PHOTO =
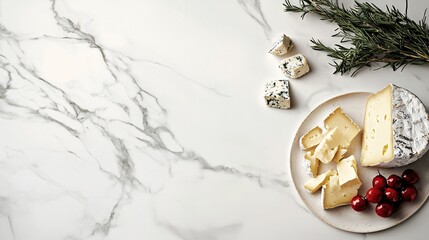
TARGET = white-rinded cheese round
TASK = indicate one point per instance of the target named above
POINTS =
(410, 123)
(396, 128)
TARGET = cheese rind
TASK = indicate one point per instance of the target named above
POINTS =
(295, 66)
(335, 195)
(311, 164)
(338, 119)
(396, 128)
(314, 184)
(347, 172)
(312, 138)
(281, 46)
(277, 94)
(410, 123)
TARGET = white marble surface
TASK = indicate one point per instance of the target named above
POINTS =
(144, 119)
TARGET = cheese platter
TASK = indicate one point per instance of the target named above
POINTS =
(329, 166)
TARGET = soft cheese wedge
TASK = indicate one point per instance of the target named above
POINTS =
(311, 138)
(328, 147)
(335, 195)
(396, 128)
(311, 164)
(347, 172)
(338, 119)
(314, 184)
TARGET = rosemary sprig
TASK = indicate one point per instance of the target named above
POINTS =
(373, 35)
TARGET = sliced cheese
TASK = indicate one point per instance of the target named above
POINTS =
(339, 155)
(347, 172)
(314, 184)
(329, 146)
(334, 195)
(311, 138)
(324, 153)
(311, 163)
(338, 139)
(338, 119)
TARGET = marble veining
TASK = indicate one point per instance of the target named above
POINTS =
(253, 8)
(117, 124)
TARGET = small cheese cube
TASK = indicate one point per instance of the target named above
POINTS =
(281, 46)
(295, 66)
(347, 172)
(277, 94)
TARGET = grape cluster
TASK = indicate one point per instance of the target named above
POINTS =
(388, 193)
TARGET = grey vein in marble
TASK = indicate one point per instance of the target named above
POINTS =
(60, 101)
(69, 26)
(254, 10)
(11, 226)
(188, 234)
(181, 75)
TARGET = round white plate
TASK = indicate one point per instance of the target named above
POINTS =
(344, 217)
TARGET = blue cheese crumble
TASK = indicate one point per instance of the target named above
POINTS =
(277, 94)
(282, 45)
(295, 66)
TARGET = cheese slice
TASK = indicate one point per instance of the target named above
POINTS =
(324, 153)
(347, 172)
(334, 195)
(311, 163)
(396, 128)
(338, 139)
(329, 145)
(311, 138)
(339, 154)
(347, 127)
(314, 184)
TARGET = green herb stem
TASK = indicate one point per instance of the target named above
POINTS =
(374, 35)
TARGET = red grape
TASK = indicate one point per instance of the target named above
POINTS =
(394, 181)
(359, 203)
(409, 194)
(384, 209)
(391, 194)
(410, 176)
(379, 182)
(374, 195)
